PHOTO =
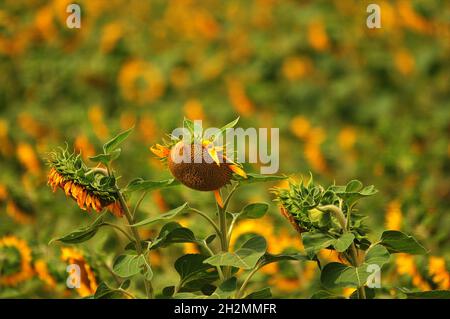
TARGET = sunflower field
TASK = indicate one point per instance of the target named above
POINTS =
(92, 204)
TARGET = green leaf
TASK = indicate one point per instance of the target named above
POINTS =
(353, 191)
(258, 178)
(173, 233)
(105, 292)
(128, 265)
(323, 294)
(168, 215)
(224, 128)
(314, 242)
(398, 242)
(145, 185)
(370, 293)
(82, 234)
(377, 255)
(433, 294)
(189, 124)
(114, 143)
(226, 289)
(192, 268)
(102, 158)
(342, 243)
(168, 291)
(254, 211)
(260, 294)
(246, 257)
(353, 186)
(269, 258)
(337, 275)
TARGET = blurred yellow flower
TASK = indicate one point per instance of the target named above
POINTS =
(296, 67)
(300, 126)
(24, 271)
(438, 272)
(88, 282)
(32, 127)
(190, 248)
(406, 266)
(96, 118)
(404, 62)
(111, 34)
(19, 214)
(393, 218)
(141, 82)
(28, 158)
(317, 36)
(347, 138)
(193, 110)
(41, 268)
(241, 103)
(84, 146)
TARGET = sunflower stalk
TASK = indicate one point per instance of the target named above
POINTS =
(137, 238)
(340, 216)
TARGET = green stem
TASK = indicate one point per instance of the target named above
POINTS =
(245, 283)
(138, 204)
(138, 241)
(204, 215)
(337, 212)
(120, 230)
(137, 238)
(211, 253)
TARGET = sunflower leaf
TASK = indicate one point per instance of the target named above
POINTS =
(114, 143)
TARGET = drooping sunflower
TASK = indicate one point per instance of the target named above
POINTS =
(89, 190)
(88, 281)
(15, 262)
(198, 163)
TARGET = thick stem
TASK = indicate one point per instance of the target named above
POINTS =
(138, 241)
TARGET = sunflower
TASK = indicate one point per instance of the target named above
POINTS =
(15, 261)
(42, 271)
(88, 282)
(206, 169)
(91, 192)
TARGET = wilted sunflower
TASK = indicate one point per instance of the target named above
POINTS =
(198, 163)
(88, 282)
(89, 190)
(15, 261)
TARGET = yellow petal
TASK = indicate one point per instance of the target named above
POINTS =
(237, 170)
(218, 198)
(212, 152)
(160, 151)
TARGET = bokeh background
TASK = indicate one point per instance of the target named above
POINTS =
(350, 102)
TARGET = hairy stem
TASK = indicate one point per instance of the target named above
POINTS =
(337, 212)
(137, 238)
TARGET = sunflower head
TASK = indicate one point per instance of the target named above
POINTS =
(198, 162)
(302, 204)
(91, 191)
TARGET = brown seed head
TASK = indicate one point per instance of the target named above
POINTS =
(198, 171)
